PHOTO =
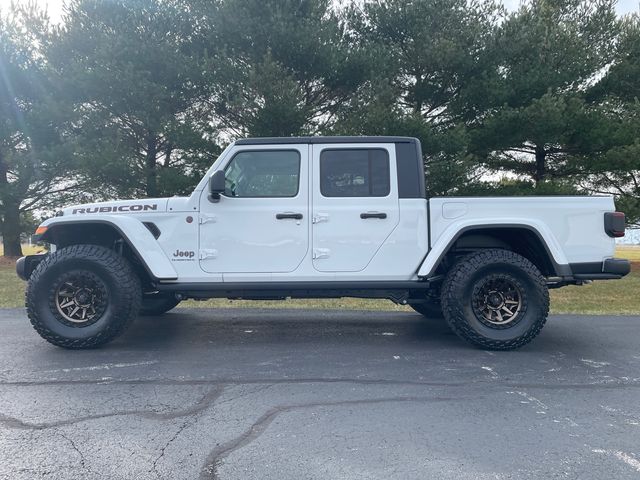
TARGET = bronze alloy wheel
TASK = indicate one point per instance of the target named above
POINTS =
(497, 301)
(81, 299)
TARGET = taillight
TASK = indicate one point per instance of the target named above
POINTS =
(614, 223)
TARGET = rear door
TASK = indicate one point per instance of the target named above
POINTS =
(354, 202)
(261, 222)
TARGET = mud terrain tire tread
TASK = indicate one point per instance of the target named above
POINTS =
(126, 294)
(455, 295)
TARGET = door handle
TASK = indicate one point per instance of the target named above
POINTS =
(379, 215)
(283, 216)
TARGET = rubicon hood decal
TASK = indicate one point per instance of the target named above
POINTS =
(138, 207)
(123, 207)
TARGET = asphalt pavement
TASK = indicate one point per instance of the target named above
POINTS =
(290, 394)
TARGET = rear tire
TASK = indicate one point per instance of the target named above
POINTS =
(495, 299)
(82, 296)
(153, 305)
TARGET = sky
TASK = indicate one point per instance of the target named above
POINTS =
(55, 6)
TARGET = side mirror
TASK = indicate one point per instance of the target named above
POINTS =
(216, 185)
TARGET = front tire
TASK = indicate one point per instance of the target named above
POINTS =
(82, 296)
(495, 299)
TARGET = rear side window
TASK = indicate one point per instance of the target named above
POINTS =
(268, 173)
(354, 173)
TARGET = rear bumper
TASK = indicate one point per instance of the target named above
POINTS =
(610, 269)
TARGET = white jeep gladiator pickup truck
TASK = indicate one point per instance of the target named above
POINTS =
(319, 217)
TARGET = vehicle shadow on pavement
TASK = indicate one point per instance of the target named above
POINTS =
(252, 326)
(294, 328)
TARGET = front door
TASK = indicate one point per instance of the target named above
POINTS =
(355, 204)
(261, 222)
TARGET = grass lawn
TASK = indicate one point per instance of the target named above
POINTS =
(604, 297)
(27, 249)
(630, 252)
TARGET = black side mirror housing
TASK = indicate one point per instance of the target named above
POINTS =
(216, 185)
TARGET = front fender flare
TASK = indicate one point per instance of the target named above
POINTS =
(137, 236)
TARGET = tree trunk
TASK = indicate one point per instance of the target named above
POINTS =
(167, 154)
(541, 164)
(417, 102)
(11, 230)
(151, 166)
(10, 216)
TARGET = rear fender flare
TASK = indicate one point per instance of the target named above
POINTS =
(454, 231)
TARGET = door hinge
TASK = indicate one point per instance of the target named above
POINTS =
(208, 253)
(321, 253)
(207, 219)
(320, 217)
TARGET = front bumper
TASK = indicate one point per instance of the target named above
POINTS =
(610, 269)
(26, 265)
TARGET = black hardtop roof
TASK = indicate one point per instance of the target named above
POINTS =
(311, 140)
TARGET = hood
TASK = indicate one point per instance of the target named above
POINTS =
(146, 205)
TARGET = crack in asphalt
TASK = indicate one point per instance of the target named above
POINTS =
(209, 471)
(75, 447)
(615, 383)
(195, 382)
(83, 460)
(154, 466)
(190, 422)
(205, 402)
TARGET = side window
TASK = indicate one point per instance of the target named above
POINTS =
(354, 173)
(266, 173)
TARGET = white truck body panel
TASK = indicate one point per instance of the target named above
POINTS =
(400, 247)
(243, 235)
(570, 226)
(343, 241)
